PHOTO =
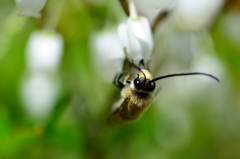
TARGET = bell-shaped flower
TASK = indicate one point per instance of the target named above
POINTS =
(135, 35)
(39, 93)
(30, 7)
(44, 51)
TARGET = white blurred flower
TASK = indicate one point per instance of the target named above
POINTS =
(151, 8)
(107, 53)
(40, 85)
(39, 93)
(229, 26)
(196, 14)
(182, 89)
(136, 35)
(30, 7)
(44, 51)
(187, 14)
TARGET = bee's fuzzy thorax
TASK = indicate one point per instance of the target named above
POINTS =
(139, 99)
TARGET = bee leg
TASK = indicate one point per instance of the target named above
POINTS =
(128, 77)
(147, 65)
(125, 7)
(142, 64)
(121, 78)
(161, 16)
(117, 81)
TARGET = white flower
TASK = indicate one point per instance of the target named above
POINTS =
(44, 51)
(39, 93)
(30, 7)
(151, 8)
(40, 84)
(136, 35)
(196, 14)
(107, 53)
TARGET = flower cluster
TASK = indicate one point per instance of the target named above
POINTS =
(40, 84)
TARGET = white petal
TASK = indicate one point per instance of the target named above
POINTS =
(123, 35)
(146, 37)
(30, 7)
(129, 40)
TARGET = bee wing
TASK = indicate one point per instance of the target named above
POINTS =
(128, 69)
(117, 117)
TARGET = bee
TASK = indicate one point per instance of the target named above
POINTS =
(137, 93)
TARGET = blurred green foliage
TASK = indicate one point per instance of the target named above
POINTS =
(76, 128)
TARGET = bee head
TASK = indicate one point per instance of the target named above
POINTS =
(143, 81)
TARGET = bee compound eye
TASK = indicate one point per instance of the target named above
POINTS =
(137, 82)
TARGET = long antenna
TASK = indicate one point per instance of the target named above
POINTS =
(185, 74)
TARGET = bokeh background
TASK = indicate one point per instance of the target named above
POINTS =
(191, 118)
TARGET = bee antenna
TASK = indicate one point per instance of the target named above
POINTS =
(185, 74)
